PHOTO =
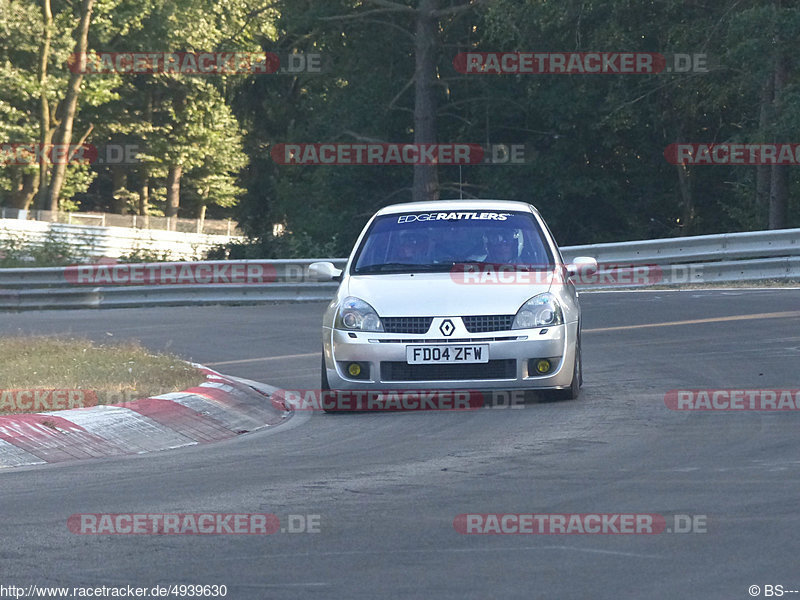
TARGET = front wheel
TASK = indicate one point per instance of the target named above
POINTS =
(324, 386)
(574, 390)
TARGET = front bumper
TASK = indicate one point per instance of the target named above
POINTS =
(385, 355)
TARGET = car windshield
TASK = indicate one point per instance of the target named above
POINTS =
(436, 241)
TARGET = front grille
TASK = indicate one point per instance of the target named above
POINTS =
(485, 323)
(494, 369)
(406, 324)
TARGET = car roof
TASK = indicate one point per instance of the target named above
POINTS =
(456, 205)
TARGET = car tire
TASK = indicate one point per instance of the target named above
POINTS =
(574, 390)
(324, 386)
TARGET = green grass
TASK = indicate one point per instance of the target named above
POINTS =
(109, 373)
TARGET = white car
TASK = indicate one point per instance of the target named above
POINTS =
(454, 294)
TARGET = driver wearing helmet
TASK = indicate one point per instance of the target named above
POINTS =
(459, 243)
(412, 247)
(502, 246)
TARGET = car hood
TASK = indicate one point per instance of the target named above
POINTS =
(438, 294)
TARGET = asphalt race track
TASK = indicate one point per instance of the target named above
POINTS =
(387, 487)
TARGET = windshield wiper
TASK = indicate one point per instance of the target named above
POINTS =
(519, 266)
(396, 267)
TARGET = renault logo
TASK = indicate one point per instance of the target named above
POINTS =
(447, 328)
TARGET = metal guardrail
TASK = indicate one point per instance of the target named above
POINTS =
(695, 249)
(702, 259)
(163, 295)
(254, 273)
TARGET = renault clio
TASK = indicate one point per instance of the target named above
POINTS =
(455, 294)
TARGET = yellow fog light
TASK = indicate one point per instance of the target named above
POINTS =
(354, 369)
(542, 366)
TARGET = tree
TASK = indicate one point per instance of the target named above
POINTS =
(426, 27)
(63, 135)
(177, 120)
(35, 45)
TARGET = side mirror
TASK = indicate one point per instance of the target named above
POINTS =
(324, 271)
(583, 264)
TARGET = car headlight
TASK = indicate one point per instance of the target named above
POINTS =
(356, 315)
(540, 311)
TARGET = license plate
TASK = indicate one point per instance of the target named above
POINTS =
(432, 354)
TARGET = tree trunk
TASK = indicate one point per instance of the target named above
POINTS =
(778, 196)
(687, 204)
(201, 220)
(64, 134)
(685, 188)
(23, 188)
(763, 175)
(173, 194)
(45, 132)
(426, 179)
(144, 172)
(119, 183)
(779, 184)
(144, 192)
